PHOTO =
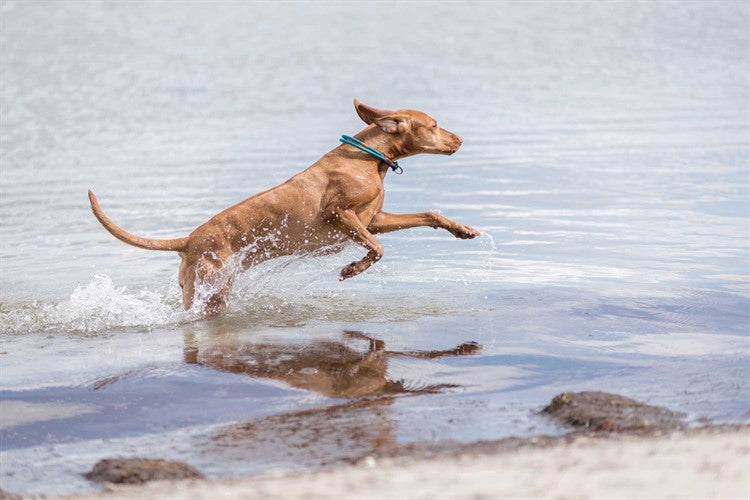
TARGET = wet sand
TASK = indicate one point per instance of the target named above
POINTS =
(710, 462)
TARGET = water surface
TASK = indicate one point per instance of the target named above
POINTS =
(605, 161)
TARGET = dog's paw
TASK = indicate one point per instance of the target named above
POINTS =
(349, 271)
(464, 232)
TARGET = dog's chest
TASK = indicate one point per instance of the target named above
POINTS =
(361, 192)
(367, 210)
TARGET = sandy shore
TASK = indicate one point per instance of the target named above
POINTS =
(700, 463)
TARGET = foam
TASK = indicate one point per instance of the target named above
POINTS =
(95, 306)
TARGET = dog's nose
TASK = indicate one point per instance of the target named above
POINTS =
(460, 139)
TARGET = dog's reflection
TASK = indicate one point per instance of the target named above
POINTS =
(355, 366)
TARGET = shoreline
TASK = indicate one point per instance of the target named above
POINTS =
(705, 462)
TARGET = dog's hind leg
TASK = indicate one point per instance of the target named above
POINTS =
(209, 279)
(186, 279)
(216, 282)
(217, 303)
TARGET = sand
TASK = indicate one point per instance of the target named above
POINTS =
(700, 463)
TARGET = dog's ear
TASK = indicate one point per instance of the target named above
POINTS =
(391, 124)
(368, 113)
(388, 121)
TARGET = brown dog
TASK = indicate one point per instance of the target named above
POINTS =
(339, 198)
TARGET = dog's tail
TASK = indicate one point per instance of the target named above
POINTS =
(176, 245)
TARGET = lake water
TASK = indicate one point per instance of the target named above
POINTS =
(606, 161)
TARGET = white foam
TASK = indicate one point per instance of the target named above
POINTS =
(98, 305)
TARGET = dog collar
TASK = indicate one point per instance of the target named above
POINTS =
(353, 141)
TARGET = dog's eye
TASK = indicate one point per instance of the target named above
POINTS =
(434, 125)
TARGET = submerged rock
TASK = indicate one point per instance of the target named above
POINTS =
(139, 470)
(601, 411)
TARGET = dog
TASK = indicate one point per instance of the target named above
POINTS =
(338, 199)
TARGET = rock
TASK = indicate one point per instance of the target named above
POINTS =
(139, 470)
(601, 411)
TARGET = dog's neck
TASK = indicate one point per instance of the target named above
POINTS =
(388, 144)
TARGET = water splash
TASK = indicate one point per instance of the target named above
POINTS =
(289, 277)
(491, 250)
(301, 288)
(96, 306)
(291, 290)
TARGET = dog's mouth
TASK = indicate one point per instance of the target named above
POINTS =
(445, 150)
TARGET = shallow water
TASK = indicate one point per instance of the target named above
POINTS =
(605, 161)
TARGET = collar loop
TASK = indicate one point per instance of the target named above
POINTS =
(353, 141)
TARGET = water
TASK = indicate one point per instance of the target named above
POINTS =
(605, 160)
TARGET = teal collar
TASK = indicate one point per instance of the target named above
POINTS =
(353, 141)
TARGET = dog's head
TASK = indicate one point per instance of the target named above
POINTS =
(415, 131)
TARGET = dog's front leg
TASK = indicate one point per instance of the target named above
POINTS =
(347, 222)
(383, 222)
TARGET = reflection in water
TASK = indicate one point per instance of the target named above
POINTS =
(336, 369)
(354, 367)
